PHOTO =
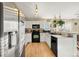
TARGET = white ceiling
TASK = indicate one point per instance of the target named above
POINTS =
(67, 10)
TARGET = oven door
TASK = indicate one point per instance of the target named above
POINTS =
(35, 36)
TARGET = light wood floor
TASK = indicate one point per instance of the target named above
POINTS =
(38, 50)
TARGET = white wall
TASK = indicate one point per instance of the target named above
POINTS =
(71, 27)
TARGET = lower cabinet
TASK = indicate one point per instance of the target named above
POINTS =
(66, 47)
(45, 37)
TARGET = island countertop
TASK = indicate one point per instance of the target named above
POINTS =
(58, 36)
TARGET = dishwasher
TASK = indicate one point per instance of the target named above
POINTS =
(54, 45)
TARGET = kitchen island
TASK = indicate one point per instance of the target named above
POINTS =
(66, 46)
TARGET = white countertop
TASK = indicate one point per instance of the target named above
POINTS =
(58, 36)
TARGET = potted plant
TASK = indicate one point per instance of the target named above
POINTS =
(61, 22)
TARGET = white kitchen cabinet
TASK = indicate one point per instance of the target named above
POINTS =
(66, 47)
(45, 37)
